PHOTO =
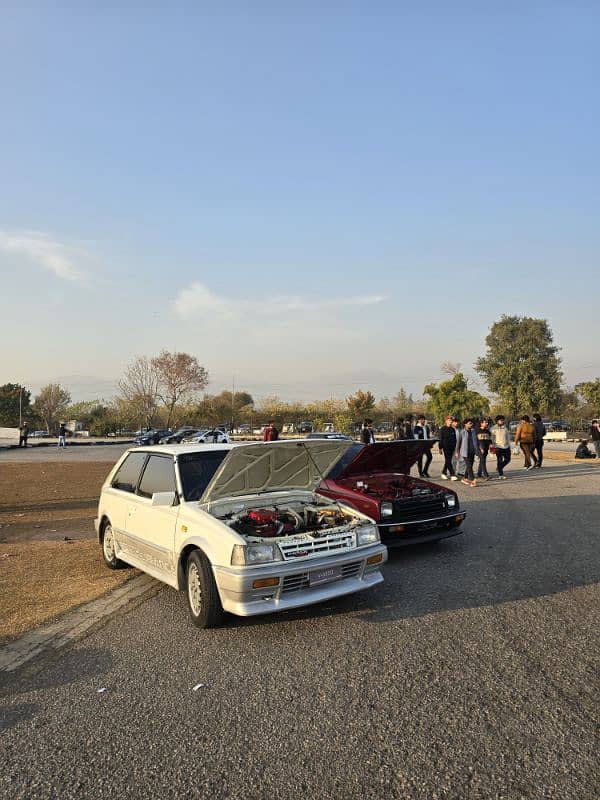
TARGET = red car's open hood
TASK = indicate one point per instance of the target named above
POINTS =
(397, 456)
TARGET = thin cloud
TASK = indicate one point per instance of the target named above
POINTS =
(197, 300)
(49, 253)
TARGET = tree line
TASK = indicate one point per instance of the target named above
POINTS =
(521, 368)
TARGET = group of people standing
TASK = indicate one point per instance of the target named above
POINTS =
(460, 447)
(475, 439)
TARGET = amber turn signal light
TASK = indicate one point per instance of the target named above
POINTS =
(261, 583)
(375, 559)
(397, 529)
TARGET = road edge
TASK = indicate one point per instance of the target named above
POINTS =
(55, 635)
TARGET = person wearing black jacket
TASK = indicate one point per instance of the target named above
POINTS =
(408, 428)
(447, 446)
(538, 440)
(423, 431)
(484, 439)
(366, 434)
(23, 434)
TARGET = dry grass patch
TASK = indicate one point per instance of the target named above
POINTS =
(555, 455)
(40, 580)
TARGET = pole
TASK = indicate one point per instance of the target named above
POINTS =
(20, 406)
(232, 402)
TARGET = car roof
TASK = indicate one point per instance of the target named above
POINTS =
(178, 449)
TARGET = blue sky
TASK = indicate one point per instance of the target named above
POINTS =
(312, 198)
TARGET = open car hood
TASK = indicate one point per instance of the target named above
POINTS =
(397, 456)
(274, 466)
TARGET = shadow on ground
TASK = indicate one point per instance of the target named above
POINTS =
(67, 667)
(510, 549)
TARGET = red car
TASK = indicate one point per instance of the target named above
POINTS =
(375, 479)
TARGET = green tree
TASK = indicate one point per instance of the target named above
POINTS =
(521, 365)
(226, 408)
(590, 391)
(51, 405)
(454, 397)
(11, 396)
(360, 404)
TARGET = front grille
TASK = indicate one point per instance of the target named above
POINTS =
(418, 507)
(300, 580)
(351, 570)
(312, 547)
(293, 583)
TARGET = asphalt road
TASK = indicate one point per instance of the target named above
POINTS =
(471, 673)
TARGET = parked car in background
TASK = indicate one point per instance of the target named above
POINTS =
(559, 425)
(38, 434)
(304, 427)
(211, 436)
(245, 429)
(330, 435)
(151, 437)
(376, 480)
(179, 435)
(239, 528)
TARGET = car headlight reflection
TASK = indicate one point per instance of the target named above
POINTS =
(367, 534)
(450, 500)
(386, 509)
(252, 554)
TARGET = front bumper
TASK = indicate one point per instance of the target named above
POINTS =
(400, 534)
(293, 589)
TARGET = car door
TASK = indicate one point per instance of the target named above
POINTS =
(151, 528)
(119, 496)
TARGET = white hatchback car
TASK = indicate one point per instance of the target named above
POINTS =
(238, 526)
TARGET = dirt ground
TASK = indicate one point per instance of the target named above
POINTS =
(49, 559)
(48, 501)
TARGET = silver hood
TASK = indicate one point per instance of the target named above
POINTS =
(274, 466)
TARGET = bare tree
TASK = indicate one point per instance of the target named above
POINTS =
(139, 388)
(51, 404)
(450, 367)
(178, 376)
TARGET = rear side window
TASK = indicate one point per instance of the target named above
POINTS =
(159, 476)
(128, 473)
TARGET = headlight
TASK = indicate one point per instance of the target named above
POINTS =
(367, 535)
(251, 554)
(450, 500)
(387, 509)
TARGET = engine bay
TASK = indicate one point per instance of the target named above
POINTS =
(288, 519)
(392, 488)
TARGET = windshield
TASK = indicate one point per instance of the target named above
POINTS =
(196, 470)
(343, 462)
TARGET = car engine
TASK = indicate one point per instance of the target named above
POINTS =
(395, 489)
(276, 521)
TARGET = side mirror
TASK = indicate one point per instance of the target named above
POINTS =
(163, 498)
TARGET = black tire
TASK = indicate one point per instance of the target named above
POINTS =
(108, 549)
(203, 598)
